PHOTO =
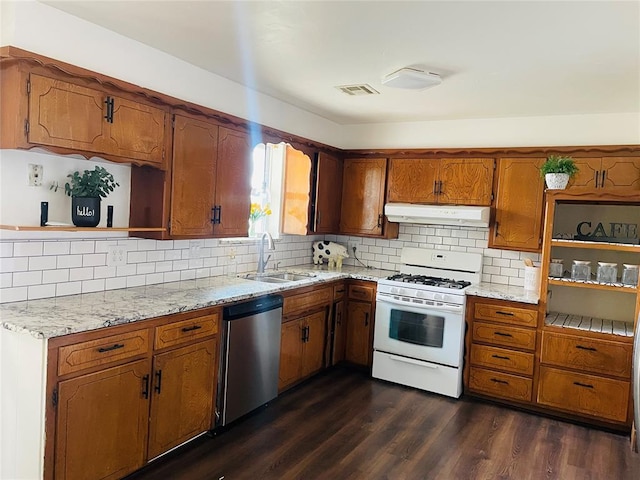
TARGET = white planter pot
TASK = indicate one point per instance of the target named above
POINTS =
(556, 181)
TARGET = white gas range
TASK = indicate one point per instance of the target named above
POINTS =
(419, 329)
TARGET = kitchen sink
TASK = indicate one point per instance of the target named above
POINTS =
(278, 277)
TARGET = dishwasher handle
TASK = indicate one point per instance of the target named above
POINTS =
(252, 307)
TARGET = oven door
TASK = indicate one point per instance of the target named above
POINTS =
(434, 334)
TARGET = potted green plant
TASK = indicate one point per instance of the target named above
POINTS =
(86, 189)
(557, 171)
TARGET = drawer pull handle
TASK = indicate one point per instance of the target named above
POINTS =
(501, 357)
(145, 386)
(508, 314)
(115, 346)
(191, 329)
(584, 385)
(497, 380)
(591, 349)
(503, 334)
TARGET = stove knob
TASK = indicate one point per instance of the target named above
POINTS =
(439, 296)
(394, 290)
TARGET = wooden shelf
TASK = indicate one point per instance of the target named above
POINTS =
(590, 324)
(618, 247)
(615, 287)
(59, 228)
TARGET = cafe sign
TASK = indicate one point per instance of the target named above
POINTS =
(613, 232)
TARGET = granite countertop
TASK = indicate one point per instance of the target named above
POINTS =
(503, 292)
(54, 317)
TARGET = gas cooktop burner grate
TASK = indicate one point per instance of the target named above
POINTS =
(430, 281)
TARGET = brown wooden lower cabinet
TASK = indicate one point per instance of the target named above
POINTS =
(302, 348)
(117, 403)
(584, 394)
(359, 322)
(500, 384)
(182, 395)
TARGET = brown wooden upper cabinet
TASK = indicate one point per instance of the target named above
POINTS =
(211, 180)
(77, 118)
(608, 173)
(311, 194)
(453, 181)
(363, 198)
(519, 205)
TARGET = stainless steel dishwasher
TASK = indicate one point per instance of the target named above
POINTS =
(250, 357)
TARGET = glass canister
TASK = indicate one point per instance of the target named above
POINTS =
(556, 267)
(630, 274)
(607, 272)
(581, 270)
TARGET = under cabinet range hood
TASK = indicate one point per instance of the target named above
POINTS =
(438, 214)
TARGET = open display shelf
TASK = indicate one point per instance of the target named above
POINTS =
(616, 287)
(591, 324)
(617, 247)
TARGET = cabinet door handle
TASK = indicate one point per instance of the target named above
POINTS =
(158, 386)
(339, 318)
(191, 329)
(109, 104)
(435, 187)
(590, 349)
(501, 357)
(379, 220)
(597, 175)
(604, 178)
(115, 346)
(440, 192)
(213, 215)
(497, 380)
(508, 314)
(145, 386)
(308, 331)
(317, 219)
(366, 319)
(583, 385)
(503, 334)
(219, 214)
(495, 229)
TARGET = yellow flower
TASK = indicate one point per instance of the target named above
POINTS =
(257, 211)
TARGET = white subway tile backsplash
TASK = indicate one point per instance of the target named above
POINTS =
(42, 263)
(69, 261)
(115, 283)
(155, 256)
(5, 280)
(35, 292)
(146, 244)
(6, 249)
(153, 278)
(69, 288)
(55, 276)
(187, 275)
(77, 274)
(94, 260)
(27, 249)
(164, 266)
(135, 281)
(83, 246)
(13, 294)
(21, 279)
(57, 248)
(104, 272)
(145, 268)
(126, 270)
(136, 257)
(171, 277)
(89, 286)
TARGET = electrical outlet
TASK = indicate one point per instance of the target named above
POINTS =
(195, 247)
(116, 256)
(35, 175)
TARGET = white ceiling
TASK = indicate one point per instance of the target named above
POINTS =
(496, 59)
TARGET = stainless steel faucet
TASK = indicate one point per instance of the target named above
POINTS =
(262, 263)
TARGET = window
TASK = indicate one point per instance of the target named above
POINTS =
(266, 189)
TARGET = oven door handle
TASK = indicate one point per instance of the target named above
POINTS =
(411, 361)
(441, 307)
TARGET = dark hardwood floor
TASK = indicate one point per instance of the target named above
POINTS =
(344, 425)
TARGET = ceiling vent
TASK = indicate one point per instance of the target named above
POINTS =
(362, 89)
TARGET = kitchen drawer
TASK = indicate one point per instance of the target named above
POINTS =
(501, 385)
(338, 292)
(505, 336)
(504, 314)
(303, 301)
(589, 354)
(584, 394)
(185, 331)
(362, 292)
(93, 353)
(502, 359)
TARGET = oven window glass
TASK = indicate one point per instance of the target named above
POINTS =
(417, 328)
